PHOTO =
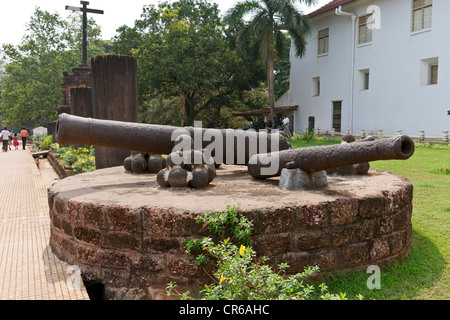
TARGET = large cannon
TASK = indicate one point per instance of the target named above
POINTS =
(313, 159)
(226, 146)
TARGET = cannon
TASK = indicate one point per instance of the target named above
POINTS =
(314, 159)
(225, 146)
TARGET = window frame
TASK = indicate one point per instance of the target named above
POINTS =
(337, 116)
(364, 79)
(431, 80)
(368, 21)
(316, 87)
(421, 8)
(325, 38)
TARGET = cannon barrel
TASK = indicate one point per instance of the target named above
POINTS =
(160, 139)
(319, 158)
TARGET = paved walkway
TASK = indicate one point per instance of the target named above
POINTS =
(28, 268)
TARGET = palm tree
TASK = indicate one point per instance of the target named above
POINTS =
(268, 21)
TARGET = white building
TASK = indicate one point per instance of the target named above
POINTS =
(374, 64)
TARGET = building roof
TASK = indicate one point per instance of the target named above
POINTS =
(329, 6)
(265, 111)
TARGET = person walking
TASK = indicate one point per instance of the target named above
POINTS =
(5, 137)
(286, 126)
(24, 136)
(16, 141)
(10, 140)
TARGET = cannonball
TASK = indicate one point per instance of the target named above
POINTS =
(348, 138)
(211, 168)
(178, 177)
(155, 163)
(200, 177)
(194, 157)
(346, 170)
(138, 163)
(174, 157)
(362, 168)
(162, 178)
(127, 164)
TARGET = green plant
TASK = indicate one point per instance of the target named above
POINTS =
(46, 142)
(307, 136)
(437, 145)
(84, 163)
(240, 275)
(442, 170)
(82, 159)
(37, 139)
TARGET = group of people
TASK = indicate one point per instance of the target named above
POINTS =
(8, 138)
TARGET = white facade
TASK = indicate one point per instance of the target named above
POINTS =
(391, 87)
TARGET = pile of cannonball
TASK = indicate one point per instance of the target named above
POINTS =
(140, 162)
(186, 167)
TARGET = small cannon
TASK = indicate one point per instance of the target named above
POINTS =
(314, 159)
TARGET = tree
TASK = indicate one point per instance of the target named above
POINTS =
(264, 30)
(186, 63)
(33, 74)
(282, 69)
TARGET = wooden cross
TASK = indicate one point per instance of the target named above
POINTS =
(85, 10)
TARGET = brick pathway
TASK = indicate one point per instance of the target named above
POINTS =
(28, 268)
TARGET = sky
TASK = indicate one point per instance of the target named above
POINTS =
(15, 14)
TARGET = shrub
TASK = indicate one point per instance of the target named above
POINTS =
(46, 142)
(443, 170)
(82, 159)
(240, 275)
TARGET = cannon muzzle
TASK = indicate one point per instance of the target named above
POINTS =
(226, 146)
(328, 157)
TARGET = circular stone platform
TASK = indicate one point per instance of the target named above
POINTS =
(124, 231)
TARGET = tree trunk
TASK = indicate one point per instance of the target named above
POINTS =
(271, 89)
(189, 106)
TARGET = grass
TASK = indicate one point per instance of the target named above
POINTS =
(425, 273)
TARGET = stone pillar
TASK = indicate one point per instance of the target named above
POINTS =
(81, 102)
(79, 77)
(114, 97)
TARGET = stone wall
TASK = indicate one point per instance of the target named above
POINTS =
(140, 248)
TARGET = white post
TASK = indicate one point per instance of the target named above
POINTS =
(380, 133)
(421, 135)
(445, 136)
(363, 134)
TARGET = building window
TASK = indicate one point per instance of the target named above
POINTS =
(323, 41)
(365, 79)
(365, 26)
(316, 86)
(311, 123)
(429, 71)
(337, 115)
(433, 74)
(421, 14)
